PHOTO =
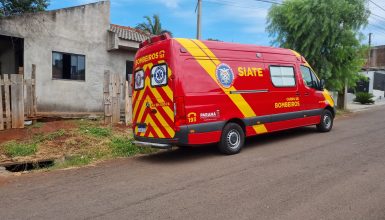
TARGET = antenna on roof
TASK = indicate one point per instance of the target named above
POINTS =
(199, 14)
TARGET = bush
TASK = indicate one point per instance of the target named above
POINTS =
(364, 98)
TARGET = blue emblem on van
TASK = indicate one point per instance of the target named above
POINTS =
(160, 75)
(225, 75)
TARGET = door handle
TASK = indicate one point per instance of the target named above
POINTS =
(306, 93)
(297, 94)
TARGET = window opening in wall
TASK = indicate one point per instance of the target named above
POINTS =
(68, 66)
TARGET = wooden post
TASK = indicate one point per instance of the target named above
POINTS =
(107, 98)
(116, 90)
(7, 83)
(17, 102)
(30, 99)
(27, 98)
(21, 70)
(128, 105)
(1, 105)
(33, 91)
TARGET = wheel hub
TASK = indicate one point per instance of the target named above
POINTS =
(327, 121)
(233, 139)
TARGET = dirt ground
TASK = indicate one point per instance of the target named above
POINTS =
(26, 133)
(60, 139)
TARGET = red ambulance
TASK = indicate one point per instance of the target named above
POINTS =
(189, 92)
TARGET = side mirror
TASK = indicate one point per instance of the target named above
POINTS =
(322, 84)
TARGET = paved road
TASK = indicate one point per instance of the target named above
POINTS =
(298, 174)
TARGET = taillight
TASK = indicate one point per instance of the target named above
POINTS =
(179, 111)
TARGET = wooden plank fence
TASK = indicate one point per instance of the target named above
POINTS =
(30, 95)
(13, 99)
(116, 93)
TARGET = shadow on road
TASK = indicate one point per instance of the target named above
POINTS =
(268, 139)
(184, 154)
(197, 153)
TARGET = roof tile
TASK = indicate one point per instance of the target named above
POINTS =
(129, 33)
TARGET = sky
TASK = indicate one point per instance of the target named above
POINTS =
(241, 21)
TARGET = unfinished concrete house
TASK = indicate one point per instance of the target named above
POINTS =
(375, 72)
(71, 48)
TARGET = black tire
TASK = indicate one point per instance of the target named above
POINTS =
(232, 139)
(326, 123)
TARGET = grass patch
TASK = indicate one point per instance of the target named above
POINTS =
(123, 147)
(54, 135)
(96, 131)
(37, 125)
(15, 149)
(73, 161)
(87, 142)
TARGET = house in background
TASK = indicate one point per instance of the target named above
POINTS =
(71, 48)
(375, 72)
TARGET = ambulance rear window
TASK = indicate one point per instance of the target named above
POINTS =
(159, 75)
(139, 80)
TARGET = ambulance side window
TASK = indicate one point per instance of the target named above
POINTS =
(309, 78)
(282, 76)
(306, 76)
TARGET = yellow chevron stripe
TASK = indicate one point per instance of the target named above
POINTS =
(328, 97)
(141, 92)
(169, 111)
(156, 128)
(167, 88)
(143, 107)
(210, 65)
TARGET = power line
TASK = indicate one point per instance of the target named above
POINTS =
(378, 16)
(379, 28)
(378, 19)
(231, 4)
(269, 1)
(377, 5)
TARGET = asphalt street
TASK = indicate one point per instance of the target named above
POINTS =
(296, 174)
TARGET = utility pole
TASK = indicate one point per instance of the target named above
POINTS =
(370, 48)
(199, 14)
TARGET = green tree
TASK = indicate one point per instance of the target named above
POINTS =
(15, 7)
(326, 32)
(152, 26)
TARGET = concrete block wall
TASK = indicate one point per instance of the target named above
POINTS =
(78, 30)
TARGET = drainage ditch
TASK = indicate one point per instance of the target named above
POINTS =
(28, 166)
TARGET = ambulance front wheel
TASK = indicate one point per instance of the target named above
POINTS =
(232, 139)
(326, 123)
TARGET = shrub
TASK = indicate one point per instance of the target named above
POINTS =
(364, 98)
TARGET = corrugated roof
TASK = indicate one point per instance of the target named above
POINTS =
(129, 33)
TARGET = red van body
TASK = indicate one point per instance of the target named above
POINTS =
(188, 92)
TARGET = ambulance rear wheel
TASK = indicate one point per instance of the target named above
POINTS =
(232, 139)
(326, 123)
